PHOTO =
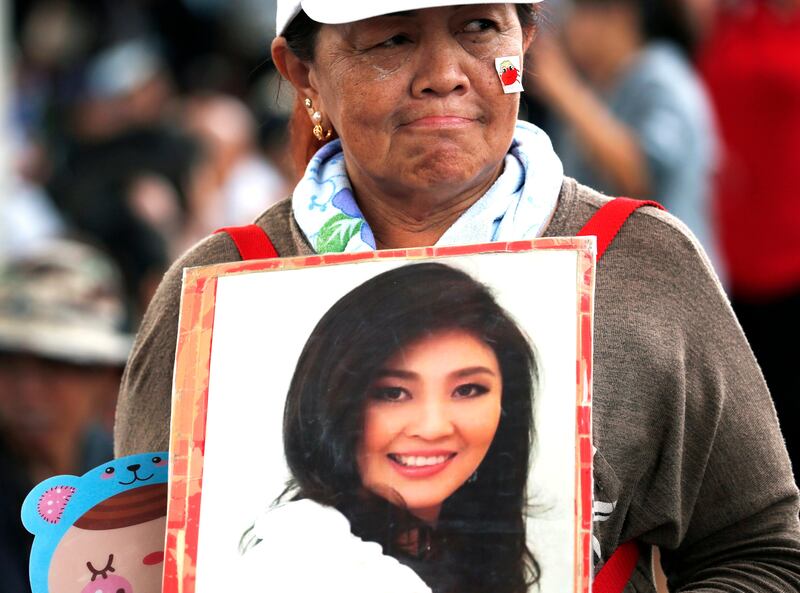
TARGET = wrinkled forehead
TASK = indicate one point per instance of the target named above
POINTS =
(418, 17)
(336, 13)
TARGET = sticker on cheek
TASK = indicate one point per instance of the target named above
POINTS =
(510, 73)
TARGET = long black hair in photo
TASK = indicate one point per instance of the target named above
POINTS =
(478, 544)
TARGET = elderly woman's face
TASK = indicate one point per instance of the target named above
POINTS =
(415, 96)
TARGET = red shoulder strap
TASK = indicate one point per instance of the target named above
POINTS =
(254, 243)
(608, 220)
(605, 225)
(617, 571)
(251, 240)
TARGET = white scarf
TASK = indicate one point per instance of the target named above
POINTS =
(517, 206)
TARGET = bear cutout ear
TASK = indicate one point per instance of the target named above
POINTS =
(47, 504)
(52, 503)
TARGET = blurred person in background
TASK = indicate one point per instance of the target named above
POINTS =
(62, 349)
(104, 93)
(272, 102)
(51, 40)
(124, 165)
(634, 119)
(273, 138)
(751, 63)
(27, 217)
(234, 183)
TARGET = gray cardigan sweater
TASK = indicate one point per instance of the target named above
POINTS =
(689, 453)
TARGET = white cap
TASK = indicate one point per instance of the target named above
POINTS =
(347, 11)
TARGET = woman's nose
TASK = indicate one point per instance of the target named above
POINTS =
(432, 421)
(439, 69)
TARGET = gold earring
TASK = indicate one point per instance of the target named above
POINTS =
(321, 134)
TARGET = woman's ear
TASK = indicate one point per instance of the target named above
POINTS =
(528, 35)
(292, 68)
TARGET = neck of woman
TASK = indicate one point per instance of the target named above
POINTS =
(404, 219)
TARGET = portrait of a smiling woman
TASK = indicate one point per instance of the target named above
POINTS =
(410, 414)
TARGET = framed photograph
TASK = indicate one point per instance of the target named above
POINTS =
(389, 421)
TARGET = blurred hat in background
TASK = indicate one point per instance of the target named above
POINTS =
(63, 301)
(123, 68)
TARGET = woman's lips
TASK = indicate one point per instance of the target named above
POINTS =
(420, 464)
(438, 122)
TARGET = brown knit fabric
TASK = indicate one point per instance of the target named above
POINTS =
(688, 445)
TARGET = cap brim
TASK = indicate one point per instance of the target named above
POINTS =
(335, 13)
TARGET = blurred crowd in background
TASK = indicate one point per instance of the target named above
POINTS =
(137, 127)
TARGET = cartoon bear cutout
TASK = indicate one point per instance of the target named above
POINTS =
(102, 532)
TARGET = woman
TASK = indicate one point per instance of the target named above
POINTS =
(429, 152)
(421, 423)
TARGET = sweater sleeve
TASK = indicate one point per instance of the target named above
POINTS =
(736, 506)
(144, 403)
(686, 422)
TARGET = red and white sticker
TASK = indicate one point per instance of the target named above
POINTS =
(510, 73)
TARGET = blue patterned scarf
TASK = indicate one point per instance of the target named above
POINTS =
(517, 206)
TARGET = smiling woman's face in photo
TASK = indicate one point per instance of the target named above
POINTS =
(431, 415)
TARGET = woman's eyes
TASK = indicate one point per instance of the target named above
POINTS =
(394, 41)
(400, 394)
(478, 26)
(473, 27)
(470, 390)
(390, 394)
